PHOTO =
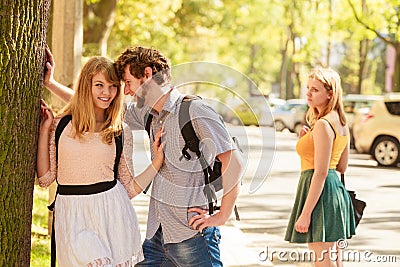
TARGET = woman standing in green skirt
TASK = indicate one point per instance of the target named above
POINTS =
(322, 213)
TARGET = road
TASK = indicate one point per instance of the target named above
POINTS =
(267, 196)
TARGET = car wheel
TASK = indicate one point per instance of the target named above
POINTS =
(386, 151)
(279, 125)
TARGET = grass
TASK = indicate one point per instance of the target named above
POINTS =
(40, 240)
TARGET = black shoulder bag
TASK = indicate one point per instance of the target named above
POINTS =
(358, 205)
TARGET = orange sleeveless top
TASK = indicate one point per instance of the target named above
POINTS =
(305, 149)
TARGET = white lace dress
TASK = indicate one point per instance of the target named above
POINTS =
(100, 229)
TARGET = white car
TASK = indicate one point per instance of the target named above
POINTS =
(291, 115)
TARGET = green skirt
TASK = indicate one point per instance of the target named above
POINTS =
(332, 218)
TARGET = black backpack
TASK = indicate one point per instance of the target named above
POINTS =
(212, 176)
(81, 189)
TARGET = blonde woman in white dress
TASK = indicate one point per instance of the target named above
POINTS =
(94, 228)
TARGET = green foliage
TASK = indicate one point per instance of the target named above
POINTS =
(40, 243)
(40, 251)
(262, 39)
(381, 19)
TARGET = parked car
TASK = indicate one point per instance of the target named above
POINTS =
(377, 132)
(255, 111)
(290, 115)
(356, 103)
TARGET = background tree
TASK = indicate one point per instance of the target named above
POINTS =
(23, 35)
(98, 17)
(247, 39)
(146, 23)
(274, 43)
(382, 17)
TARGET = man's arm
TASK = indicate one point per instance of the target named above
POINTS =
(232, 170)
(63, 92)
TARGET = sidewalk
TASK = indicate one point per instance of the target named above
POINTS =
(236, 250)
(264, 214)
(236, 247)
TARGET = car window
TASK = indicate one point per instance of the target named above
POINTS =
(393, 108)
(287, 107)
(351, 106)
(303, 108)
(348, 106)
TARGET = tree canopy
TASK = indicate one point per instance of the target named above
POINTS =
(274, 43)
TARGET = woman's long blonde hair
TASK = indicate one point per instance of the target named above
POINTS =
(81, 105)
(331, 81)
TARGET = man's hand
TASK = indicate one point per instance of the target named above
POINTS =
(158, 148)
(203, 219)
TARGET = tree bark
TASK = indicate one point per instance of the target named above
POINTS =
(284, 66)
(388, 40)
(23, 26)
(364, 49)
(396, 74)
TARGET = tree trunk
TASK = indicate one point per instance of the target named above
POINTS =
(252, 88)
(396, 74)
(23, 26)
(364, 49)
(283, 69)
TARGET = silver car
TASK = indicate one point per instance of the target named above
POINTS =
(291, 115)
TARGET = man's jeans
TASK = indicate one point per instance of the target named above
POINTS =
(202, 250)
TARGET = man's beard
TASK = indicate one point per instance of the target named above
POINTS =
(144, 88)
(139, 101)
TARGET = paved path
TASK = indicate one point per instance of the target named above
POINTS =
(264, 214)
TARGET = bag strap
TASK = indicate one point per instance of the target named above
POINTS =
(60, 128)
(119, 144)
(330, 124)
(192, 143)
(342, 179)
(148, 119)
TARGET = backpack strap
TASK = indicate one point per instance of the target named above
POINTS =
(119, 144)
(148, 118)
(60, 128)
(192, 143)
